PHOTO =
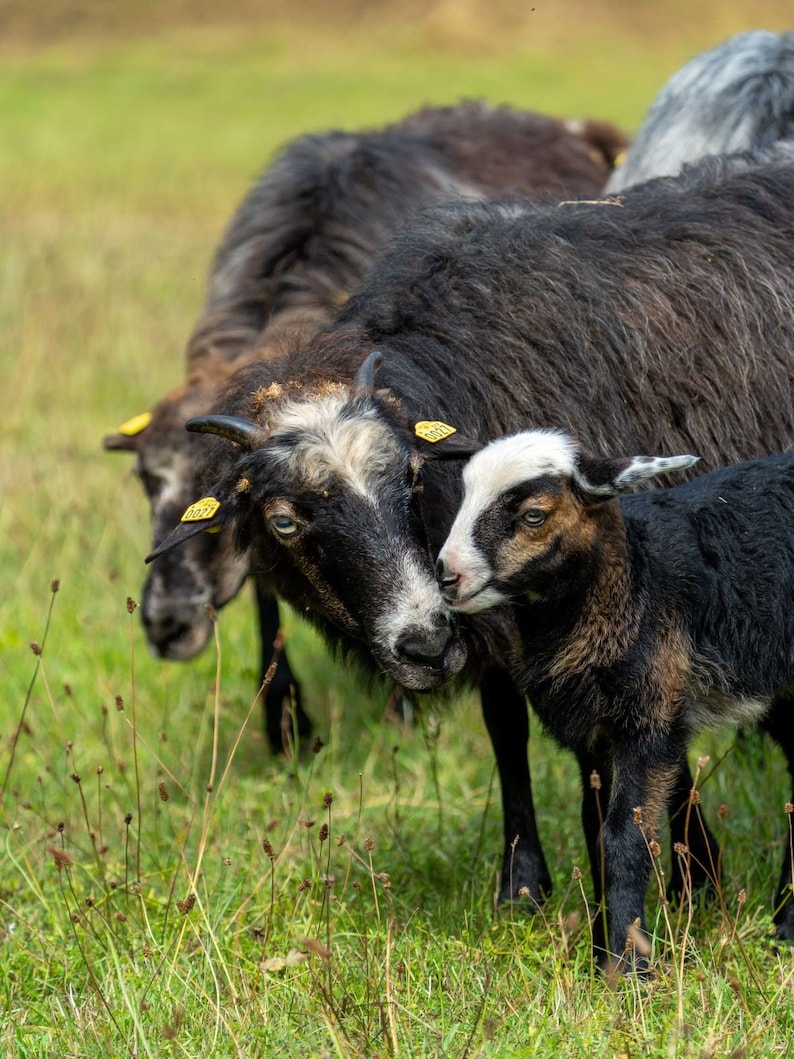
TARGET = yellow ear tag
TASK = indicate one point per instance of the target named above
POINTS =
(433, 431)
(135, 425)
(201, 510)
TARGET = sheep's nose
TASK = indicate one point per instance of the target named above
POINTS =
(425, 647)
(447, 579)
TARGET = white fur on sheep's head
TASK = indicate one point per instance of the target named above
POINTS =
(527, 505)
(328, 499)
(207, 572)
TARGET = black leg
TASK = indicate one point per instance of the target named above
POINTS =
(284, 691)
(523, 866)
(779, 726)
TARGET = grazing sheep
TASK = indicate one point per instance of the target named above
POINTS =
(665, 323)
(642, 621)
(736, 96)
(305, 235)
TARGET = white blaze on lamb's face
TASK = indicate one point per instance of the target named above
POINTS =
(471, 552)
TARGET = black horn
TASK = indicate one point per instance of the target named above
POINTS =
(232, 428)
(365, 376)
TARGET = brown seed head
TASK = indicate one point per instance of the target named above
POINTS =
(162, 790)
(55, 584)
(131, 605)
(61, 857)
(595, 781)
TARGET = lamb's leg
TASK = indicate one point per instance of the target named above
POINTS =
(645, 771)
(506, 718)
(283, 691)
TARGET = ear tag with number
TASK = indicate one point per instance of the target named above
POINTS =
(135, 425)
(201, 510)
(433, 431)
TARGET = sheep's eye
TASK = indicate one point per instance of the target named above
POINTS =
(283, 525)
(534, 517)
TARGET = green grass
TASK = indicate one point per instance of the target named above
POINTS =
(121, 160)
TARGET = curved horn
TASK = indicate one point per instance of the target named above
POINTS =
(365, 376)
(232, 428)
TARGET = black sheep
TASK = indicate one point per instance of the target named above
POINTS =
(642, 621)
(662, 323)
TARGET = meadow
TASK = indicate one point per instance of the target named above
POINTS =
(167, 886)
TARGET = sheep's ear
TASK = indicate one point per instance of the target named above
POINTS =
(603, 478)
(209, 513)
(124, 438)
(440, 441)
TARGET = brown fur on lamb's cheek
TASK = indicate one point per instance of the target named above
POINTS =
(526, 545)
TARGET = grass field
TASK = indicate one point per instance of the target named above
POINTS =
(167, 887)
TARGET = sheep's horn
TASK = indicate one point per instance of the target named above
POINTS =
(232, 428)
(365, 376)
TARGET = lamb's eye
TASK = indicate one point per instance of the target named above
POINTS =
(283, 525)
(534, 517)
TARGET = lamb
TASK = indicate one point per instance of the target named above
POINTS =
(664, 323)
(642, 621)
(304, 236)
(737, 95)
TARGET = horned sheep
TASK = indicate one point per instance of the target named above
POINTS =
(642, 621)
(302, 239)
(662, 323)
(733, 97)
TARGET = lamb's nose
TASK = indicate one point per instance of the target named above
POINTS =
(447, 579)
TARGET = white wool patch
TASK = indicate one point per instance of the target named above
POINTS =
(414, 602)
(508, 462)
(359, 450)
(173, 469)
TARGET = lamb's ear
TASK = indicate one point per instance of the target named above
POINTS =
(603, 478)
(440, 441)
(209, 513)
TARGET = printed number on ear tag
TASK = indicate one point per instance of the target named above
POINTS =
(135, 425)
(201, 510)
(433, 431)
